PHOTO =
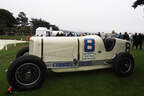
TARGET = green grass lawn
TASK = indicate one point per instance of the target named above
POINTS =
(89, 83)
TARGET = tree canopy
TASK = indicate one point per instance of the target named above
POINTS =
(20, 24)
(54, 27)
(39, 23)
(138, 3)
(22, 19)
(6, 20)
(42, 23)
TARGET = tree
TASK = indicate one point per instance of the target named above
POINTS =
(39, 23)
(54, 27)
(137, 3)
(23, 30)
(42, 23)
(7, 20)
(22, 19)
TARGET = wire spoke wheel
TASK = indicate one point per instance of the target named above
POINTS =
(125, 66)
(27, 74)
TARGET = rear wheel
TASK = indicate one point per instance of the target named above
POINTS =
(123, 64)
(26, 72)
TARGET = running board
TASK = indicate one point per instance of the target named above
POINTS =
(82, 68)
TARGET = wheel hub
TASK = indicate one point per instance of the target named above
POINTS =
(125, 66)
(27, 74)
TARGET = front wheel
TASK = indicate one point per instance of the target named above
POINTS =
(26, 72)
(123, 64)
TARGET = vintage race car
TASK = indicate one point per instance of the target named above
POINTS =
(67, 54)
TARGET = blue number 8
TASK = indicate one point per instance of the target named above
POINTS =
(89, 45)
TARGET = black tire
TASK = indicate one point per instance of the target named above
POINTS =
(22, 52)
(26, 72)
(123, 64)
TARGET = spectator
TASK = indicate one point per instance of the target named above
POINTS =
(140, 37)
(143, 39)
(70, 34)
(106, 35)
(82, 34)
(58, 34)
(114, 35)
(126, 36)
(135, 41)
(120, 36)
(62, 34)
(99, 34)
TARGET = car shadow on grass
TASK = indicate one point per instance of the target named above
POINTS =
(54, 75)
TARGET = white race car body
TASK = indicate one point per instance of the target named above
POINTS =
(62, 54)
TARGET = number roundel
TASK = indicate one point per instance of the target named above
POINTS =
(89, 45)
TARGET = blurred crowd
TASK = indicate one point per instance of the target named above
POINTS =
(137, 39)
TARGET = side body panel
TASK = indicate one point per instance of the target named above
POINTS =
(99, 52)
(59, 49)
(35, 46)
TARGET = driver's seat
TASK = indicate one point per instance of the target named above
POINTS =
(109, 43)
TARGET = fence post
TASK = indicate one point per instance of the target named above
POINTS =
(15, 43)
(6, 47)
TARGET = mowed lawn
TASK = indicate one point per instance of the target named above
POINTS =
(89, 83)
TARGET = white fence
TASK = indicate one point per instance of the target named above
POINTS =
(4, 43)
